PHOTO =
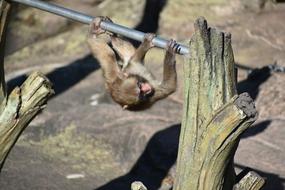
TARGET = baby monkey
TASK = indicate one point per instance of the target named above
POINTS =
(128, 81)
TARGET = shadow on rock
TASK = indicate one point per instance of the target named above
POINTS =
(255, 79)
(256, 129)
(64, 77)
(160, 155)
(150, 20)
(272, 181)
(154, 163)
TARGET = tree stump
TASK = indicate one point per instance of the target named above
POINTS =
(24, 103)
(214, 115)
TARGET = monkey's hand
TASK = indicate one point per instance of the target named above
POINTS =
(95, 28)
(169, 69)
(171, 49)
(147, 41)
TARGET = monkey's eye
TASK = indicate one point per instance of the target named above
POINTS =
(141, 93)
(139, 84)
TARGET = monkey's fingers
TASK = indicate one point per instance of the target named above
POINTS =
(148, 37)
(173, 46)
(95, 25)
(107, 19)
(95, 28)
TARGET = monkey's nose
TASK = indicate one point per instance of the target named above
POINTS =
(145, 88)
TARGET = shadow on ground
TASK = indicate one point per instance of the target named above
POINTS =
(256, 129)
(160, 155)
(150, 20)
(65, 77)
(253, 82)
(154, 163)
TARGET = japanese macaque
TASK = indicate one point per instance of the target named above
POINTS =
(128, 81)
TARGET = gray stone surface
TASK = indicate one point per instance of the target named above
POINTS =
(74, 145)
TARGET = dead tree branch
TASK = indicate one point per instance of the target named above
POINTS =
(24, 103)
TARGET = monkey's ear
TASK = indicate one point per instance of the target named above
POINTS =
(125, 107)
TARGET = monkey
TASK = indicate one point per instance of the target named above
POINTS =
(128, 81)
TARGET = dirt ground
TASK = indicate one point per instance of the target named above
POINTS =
(80, 143)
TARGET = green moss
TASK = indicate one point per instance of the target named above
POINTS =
(80, 151)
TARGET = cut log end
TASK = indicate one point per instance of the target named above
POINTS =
(249, 180)
(200, 23)
(137, 185)
(246, 104)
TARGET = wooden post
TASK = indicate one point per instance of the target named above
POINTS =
(4, 14)
(214, 115)
(24, 103)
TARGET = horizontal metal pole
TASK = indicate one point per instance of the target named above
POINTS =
(86, 19)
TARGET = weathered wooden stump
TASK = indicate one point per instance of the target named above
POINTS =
(214, 115)
(24, 103)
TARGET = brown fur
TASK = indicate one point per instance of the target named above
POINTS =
(122, 77)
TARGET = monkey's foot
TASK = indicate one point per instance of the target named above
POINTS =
(95, 28)
(173, 47)
(148, 37)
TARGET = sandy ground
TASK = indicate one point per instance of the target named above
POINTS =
(74, 144)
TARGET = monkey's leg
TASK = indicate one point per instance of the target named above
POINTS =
(143, 48)
(103, 52)
(124, 49)
(106, 58)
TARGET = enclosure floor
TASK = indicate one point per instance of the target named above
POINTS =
(74, 145)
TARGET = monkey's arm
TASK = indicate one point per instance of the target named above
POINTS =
(136, 64)
(140, 52)
(106, 58)
(168, 84)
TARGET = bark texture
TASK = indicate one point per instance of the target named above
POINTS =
(214, 115)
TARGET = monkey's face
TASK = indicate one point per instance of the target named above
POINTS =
(132, 91)
(142, 89)
(145, 90)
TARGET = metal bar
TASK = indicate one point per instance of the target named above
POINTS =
(86, 19)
